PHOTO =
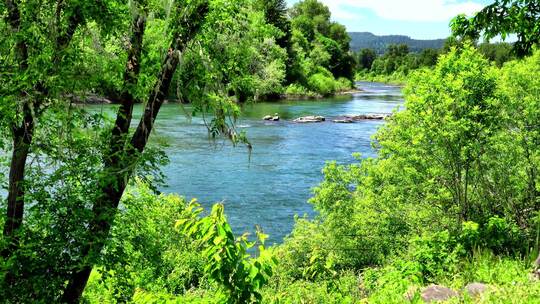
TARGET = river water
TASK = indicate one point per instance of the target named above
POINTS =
(272, 185)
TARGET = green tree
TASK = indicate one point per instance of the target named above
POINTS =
(319, 46)
(366, 57)
(38, 58)
(497, 52)
(428, 57)
(503, 17)
(117, 154)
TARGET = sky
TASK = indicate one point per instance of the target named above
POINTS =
(419, 19)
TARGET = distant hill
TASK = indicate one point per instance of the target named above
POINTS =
(362, 40)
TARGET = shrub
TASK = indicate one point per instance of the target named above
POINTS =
(322, 84)
(343, 84)
(436, 254)
(227, 262)
(145, 251)
(503, 236)
(297, 90)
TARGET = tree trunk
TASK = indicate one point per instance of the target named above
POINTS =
(23, 134)
(118, 172)
(121, 166)
(22, 138)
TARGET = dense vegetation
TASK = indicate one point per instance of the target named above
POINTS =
(453, 196)
(398, 61)
(364, 40)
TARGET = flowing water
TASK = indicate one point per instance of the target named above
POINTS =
(273, 184)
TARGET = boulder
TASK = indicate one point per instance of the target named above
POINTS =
(310, 119)
(346, 120)
(274, 117)
(475, 289)
(435, 293)
(535, 274)
(367, 117)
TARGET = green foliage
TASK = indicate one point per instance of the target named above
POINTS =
(436, 194)
(435, 254)
(365, 59)
(497, 52)
(319, 44)
(507, 279)
(145, 252)
(503, 17)
(395, 65)
(297, 90)
(342, 288)
(322, 84)
(227, 260)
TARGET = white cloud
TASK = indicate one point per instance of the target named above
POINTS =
(403, 10)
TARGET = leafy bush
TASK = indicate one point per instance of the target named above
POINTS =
(297, 90)
(508, 280)
(457, 158)
(341, 289)
(226, 257)
(502, 236)
(343, 84)
(435, 254)
(145, 251)
(322, 84)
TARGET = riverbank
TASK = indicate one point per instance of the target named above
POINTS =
(398, 79)
(94, 99)
(314, 96)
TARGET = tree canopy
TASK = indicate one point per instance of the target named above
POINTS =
(504, 17)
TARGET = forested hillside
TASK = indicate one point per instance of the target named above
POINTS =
(365, 40)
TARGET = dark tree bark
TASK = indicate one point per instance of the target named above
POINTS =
(22, 137)
(119, 166)
(23, 133)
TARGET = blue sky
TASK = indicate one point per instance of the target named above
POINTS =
(420, 19)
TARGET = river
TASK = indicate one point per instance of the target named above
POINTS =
(272, 185)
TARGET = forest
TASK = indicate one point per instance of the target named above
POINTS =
(447, 208)
(395, 65)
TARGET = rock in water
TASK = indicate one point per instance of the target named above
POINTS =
(343, 120)
(435, 293)
(310, 119)
(274, 117)
(367, 117)
(475, 289)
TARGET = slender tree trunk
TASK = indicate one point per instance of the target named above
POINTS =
(118, 172)
(22, 138)
(120, 168)
(23, 133)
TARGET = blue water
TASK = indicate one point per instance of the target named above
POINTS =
(272, 185)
